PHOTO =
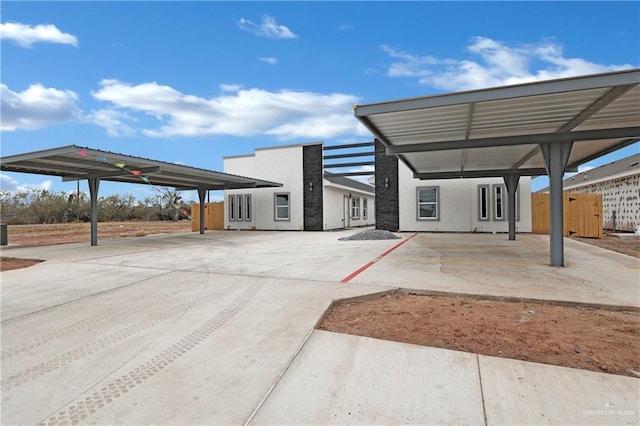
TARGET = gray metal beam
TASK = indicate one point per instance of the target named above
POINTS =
(119, 172)
(508, 92)
(348, 145)
(511, 182)
(485, 173)
(350, 155)
(577, 136)
(595, 107)
(201, 194)
(94, 185)
(371, 173)
(615, 147)
(359, 163)
(556, 157)
(35, 167)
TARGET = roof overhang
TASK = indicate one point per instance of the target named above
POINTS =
(498, 131)
(79, 163)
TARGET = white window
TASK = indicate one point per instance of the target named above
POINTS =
(364, 208)
(428, 203)
(281, 204)
(247, 207)
(483, 203)
(232, 207)
(355, 208)
(240, 205)
(499, 202)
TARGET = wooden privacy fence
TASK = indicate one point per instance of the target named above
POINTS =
(582, 214)
(213, 216)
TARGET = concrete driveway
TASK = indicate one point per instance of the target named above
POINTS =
(218, 329)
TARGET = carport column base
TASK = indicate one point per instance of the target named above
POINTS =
(94, 184)
(511, 182)
(556, 157)
(201, 194)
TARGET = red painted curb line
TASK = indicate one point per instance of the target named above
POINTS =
(365, 267)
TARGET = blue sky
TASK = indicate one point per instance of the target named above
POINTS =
(192, 82)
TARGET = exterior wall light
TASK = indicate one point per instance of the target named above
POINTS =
(310, 186)
(386, 182)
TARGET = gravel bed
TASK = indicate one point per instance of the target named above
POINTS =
(375, 234)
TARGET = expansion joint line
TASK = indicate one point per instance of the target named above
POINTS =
(358, 271)
(484, 409)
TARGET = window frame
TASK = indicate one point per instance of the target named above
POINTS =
(505, 206)
(275, 206)
(355, 208)
(247, 208)
(502, 199)
(232, 207)
(365, 207)
(240, 211)
(487, 190)
(436, 203)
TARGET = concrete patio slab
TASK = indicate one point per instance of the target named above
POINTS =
(490, 264)
(342, 379)
(197, 329)
(518, 392)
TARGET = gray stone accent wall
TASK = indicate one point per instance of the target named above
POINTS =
(387, 198)
(312, 170)
(620, 195)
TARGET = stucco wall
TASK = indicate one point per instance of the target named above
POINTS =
(334, 213)
(621, 195)
(458, 205)
(283, 165)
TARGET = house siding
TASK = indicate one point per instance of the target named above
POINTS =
(622, 196)
(458, 205)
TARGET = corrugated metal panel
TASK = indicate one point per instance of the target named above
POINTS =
(502, 113)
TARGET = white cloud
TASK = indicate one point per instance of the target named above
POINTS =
(268, 28)
(113, 121)
(7, 183)
(269, 60)
(230, 87)
(345, 27)
(37, 107)
(285, 114)
(492, 63)
(26, 35)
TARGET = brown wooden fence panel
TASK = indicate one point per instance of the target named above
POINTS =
(539, 213)
(213, 219)
(582, 214)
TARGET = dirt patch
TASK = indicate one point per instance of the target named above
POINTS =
(9, 263)
(629, 245)
(64, 233)
(578, 337)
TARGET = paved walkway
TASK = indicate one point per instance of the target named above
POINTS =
(218, 329)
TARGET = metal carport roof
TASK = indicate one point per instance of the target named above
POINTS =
(531, 129)
(77, 163)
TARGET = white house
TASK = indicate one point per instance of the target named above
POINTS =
(310, 199)
(405, 203)
(619, 184)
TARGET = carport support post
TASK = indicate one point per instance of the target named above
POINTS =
(511, 182)
(201, 194)
(94, 183)
(556, 157)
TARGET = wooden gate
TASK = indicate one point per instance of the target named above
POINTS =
(213, 216)
(582, 214)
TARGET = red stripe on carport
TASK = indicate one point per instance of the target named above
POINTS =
(365, 267)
